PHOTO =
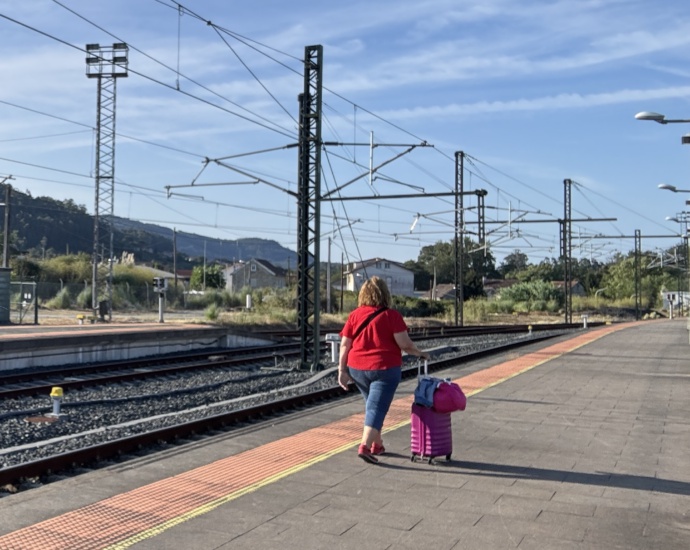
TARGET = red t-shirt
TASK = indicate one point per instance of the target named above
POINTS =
(375, 348)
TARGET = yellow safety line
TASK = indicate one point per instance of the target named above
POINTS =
(204, 508)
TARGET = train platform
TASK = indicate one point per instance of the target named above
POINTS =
(28, 346)
(582, 442)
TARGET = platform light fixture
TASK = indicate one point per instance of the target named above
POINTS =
(673, 188)
(657, 117)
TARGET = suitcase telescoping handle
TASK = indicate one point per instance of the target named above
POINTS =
(426, 367)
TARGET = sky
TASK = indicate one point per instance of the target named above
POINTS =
(532, 92)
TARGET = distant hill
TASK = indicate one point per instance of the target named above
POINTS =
(43, 226)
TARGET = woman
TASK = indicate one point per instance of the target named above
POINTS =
(372, 342)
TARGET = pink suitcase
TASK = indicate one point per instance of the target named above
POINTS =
(431, 431)
(432, 435)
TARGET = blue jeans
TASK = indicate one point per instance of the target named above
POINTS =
(378, 389)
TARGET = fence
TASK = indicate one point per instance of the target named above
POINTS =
(33, 303)
(23, 303)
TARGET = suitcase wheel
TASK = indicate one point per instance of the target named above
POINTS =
(448, 456)
(413, 457)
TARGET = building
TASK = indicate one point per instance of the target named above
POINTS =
(443, 291)
(184, 276)
(254, 273)
(399, 279)
(493, 287)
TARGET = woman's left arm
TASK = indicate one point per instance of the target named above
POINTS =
(407, 345)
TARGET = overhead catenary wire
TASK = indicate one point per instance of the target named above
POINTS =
(365, 110)
(265, 123)
(179, 8)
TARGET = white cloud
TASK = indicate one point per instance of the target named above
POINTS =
(560, 101)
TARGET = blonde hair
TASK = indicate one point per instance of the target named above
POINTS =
(374, 292)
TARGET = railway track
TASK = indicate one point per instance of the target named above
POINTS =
(450, 331)
(40, 382)
(27, 474)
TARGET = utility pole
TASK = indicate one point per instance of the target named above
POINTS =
(6, 230)
(175, 256)
(342, 281)
(638, 274)
(328, 279)
(106, 64)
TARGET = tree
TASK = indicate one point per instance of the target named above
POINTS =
(422, 278)
(589, 273)
(549, 269)
(439, 259)
(214, 277)
(513, 263)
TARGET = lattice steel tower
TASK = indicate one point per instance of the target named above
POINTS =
(567, 249)
(107, 64)
(308, 209)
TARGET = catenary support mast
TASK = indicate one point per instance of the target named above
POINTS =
(567, 249)
(308, 209)
(459, 239)
(106, 64)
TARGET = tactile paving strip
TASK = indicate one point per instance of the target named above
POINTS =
(121, 521)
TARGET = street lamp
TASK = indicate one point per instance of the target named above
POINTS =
(656, 117)
(672, 188)
(683, 218)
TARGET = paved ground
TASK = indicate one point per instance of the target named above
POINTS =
(581, 444)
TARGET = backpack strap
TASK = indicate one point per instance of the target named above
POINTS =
(367, 321)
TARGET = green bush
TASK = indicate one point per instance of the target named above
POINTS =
(84, 298)
(62, 300)
(415, 307)
(476, 310)
(202, 301)
(501, 306)
(522, 307)
(121, 297)
(281, 298)
(211, 312)
(530, 292)
(232, 300)
(552, 306)
(539, 305)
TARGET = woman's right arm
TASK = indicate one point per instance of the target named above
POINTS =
(406, 344)
(344, 377)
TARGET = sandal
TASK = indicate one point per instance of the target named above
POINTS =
(365, 454)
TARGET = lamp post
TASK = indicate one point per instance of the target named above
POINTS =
(672, 188)
(685, 140)
(656, 117)
(683, 218)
